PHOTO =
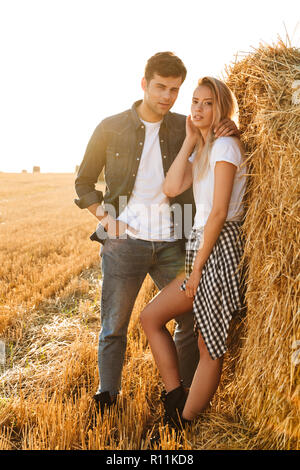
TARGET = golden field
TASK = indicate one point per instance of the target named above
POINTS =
(49, 300)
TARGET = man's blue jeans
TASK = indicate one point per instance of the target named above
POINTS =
(125, 264)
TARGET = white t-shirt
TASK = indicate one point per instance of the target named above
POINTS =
(148, 209)
(228, 150)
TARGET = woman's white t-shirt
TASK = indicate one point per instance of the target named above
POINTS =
(224, 149)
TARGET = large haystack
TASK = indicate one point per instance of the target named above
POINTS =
(266, 384)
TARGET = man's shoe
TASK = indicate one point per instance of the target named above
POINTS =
(102, 400)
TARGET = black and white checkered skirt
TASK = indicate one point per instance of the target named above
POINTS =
(221, 291)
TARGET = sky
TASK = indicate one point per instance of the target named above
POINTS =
(68, 64)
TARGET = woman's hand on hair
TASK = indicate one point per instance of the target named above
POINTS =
(192, 133)
(226, 128)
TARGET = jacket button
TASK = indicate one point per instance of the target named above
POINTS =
(141, 143)
(117, 154)
(165, 156)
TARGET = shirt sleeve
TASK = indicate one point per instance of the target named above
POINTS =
(226, 149)
(90, 169)
(192, 156)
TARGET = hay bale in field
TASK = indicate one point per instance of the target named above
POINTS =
(266, 383)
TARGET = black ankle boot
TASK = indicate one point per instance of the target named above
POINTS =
(102, 400)
(174, 402)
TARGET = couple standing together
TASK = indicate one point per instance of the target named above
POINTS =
(158, 166)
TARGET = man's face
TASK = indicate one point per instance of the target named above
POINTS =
(160, 93)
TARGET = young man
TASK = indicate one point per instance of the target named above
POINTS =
(140, 228)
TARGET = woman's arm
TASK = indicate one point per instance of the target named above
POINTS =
(180, 177)
(224, 178)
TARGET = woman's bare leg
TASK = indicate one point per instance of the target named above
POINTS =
(168, 304)
(205, 382)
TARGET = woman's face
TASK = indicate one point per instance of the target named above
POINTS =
(202, 107)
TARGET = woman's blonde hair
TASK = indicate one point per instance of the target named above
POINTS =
(224, 106)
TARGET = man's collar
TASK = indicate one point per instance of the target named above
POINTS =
(138, 122)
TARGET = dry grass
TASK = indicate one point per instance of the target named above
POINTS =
(43, 241)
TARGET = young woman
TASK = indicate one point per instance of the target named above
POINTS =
(212, 283)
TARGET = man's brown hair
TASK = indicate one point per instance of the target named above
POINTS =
(165, 64)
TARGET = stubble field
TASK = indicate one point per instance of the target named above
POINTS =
(49, 323)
